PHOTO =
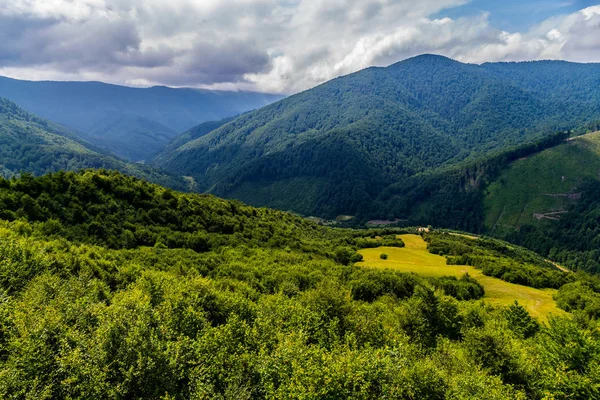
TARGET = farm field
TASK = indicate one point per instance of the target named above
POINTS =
(415, 258)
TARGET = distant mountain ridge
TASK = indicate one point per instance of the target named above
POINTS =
(342, 143)
(131, 122)
(33, 145)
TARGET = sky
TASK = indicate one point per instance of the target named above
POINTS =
(278, 46)
(517, 15)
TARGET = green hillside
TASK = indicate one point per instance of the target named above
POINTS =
(34, 145)
(136, 291)
(192, 134)
(549, 203)
(535, 190)
(351, 138)
(543, 196)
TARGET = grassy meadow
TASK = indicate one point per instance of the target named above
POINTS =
(415, 258)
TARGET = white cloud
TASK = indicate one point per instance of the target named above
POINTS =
(268, 45)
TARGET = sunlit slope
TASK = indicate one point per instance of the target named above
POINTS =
(537, 190)
(414, 257)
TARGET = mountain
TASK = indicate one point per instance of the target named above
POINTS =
(34, 145)
(558, 80)
(336, 148)
(131, 122)
(550, 202)
(129, 136)
(544, 196)
(116, 288)
(196, 132)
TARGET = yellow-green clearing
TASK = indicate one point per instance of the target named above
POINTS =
(415, 258)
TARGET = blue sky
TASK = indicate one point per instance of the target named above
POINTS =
(517, 15)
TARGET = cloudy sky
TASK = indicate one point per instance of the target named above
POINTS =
(278, 45)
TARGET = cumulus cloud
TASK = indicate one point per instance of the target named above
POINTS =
(266, 45)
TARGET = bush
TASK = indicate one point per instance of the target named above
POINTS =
(383, 256)
(465, 288)
(369, 285)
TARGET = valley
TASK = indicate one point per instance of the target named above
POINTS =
(299, 200)
(29, 144)
(130, 122)
(120, 280)
(115, 287)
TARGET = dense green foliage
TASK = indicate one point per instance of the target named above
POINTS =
(343, 143)
(249, 319)
(34, 145)
(582, 295)
(521, 322)
(273, 308)
(118, 211)
(133, 123)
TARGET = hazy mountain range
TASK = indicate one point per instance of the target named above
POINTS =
(133, 123)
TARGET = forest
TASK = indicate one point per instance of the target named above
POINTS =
(111, 287)
(574, 239)
(347, 142)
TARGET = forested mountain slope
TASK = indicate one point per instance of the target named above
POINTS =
(342, 143)
(560, 80)
(192, 134)
(543, 196)
(131, 122)
(549, 201)
(237, 302)
(34, 145)
(119, 211)
(129, 136)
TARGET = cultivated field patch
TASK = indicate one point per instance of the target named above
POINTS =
(415, 258)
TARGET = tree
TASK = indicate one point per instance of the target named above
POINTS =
(520, 322)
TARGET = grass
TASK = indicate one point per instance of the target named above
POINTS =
(521, 190)
(415, 258)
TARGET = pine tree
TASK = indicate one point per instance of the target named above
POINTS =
(521, 322)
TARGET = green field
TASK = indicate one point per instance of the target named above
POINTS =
(415, 258)
(539, 184)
